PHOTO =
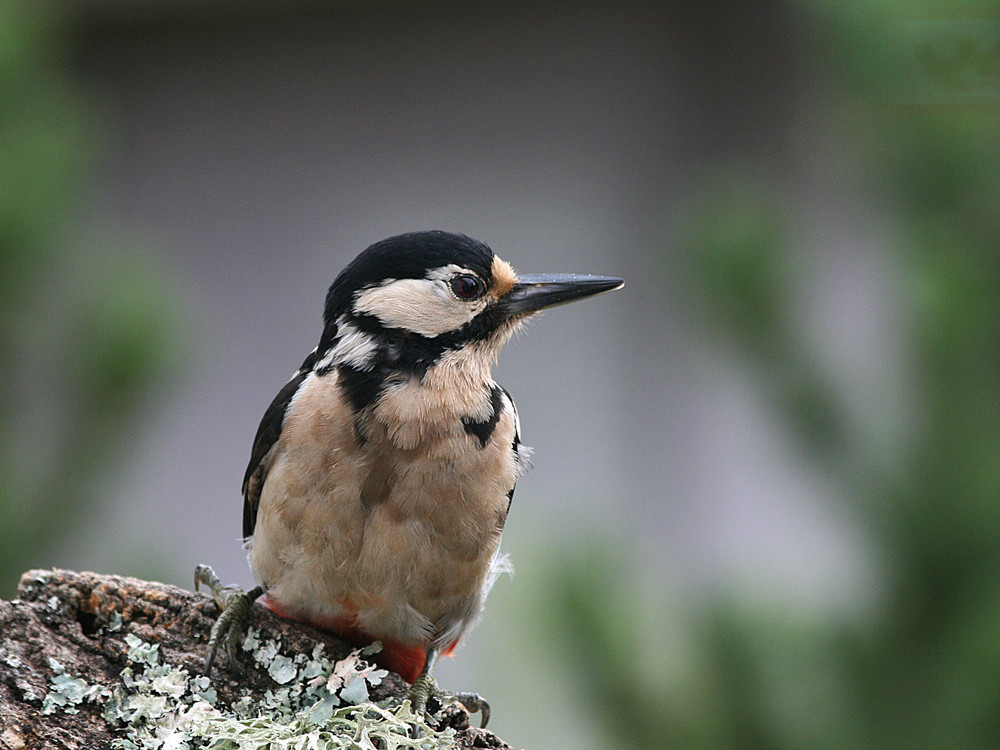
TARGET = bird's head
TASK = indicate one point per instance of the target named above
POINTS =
(407, 301)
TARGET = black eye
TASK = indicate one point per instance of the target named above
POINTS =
(467, 287)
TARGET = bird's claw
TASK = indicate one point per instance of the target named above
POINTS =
(425, 688)
(235, 606)
(473, 703)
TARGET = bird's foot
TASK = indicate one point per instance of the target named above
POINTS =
(425, 689)
(235, 606)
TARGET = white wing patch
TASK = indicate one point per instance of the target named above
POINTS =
(523, 451)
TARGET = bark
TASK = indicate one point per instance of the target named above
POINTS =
(66, 625)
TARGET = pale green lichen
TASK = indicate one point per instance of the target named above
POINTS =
(201, 688)
(282, 669)
(367, 727)
(16, 665)
(10, 659)
(41, 577)
(174, 684)
(67, 692)
(158, 706)
(141, 652)
(114, 622)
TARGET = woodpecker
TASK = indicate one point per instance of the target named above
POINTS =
(381, 475)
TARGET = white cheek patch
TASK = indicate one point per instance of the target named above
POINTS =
(424, 306)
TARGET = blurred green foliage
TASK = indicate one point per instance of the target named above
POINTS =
(912, 99)
(85, 327)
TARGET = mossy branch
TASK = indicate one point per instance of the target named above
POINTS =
(90, 660)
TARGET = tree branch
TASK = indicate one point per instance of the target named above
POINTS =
(89, 660)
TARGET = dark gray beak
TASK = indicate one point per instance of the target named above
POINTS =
(537, 291)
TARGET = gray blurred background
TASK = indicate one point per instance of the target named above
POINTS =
(764, 511)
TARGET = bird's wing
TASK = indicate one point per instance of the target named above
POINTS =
(263, 445)
(522, 453)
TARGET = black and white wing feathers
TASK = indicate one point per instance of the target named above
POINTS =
(263, 444)
(522, 453)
